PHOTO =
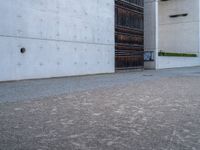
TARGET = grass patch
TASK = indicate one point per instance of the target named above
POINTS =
(176, 54)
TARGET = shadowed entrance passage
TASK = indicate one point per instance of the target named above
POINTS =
(129, 34)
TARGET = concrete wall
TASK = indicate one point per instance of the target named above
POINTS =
(61, 37)
(150, 29)
(179, 34)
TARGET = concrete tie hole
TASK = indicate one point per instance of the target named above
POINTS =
(22, 50)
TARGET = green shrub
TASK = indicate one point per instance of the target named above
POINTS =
(176, 54)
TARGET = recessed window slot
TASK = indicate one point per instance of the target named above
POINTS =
(178, 15)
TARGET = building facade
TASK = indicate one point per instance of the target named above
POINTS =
(43, 39)
(60, 38)
(172, 26)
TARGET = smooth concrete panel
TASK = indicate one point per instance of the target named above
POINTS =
(183, 37)
(56, 20)
(179, 34)
(62, 38)
(175, 62)
(150, 30)
(149, 26)
(45, 59)
(174, 7)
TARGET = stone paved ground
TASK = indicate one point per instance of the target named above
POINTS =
(150, 110)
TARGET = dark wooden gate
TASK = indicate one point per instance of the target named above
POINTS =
(129, 34)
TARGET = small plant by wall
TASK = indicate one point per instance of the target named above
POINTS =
(177, 54)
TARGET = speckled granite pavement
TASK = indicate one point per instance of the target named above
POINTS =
(161, 112)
